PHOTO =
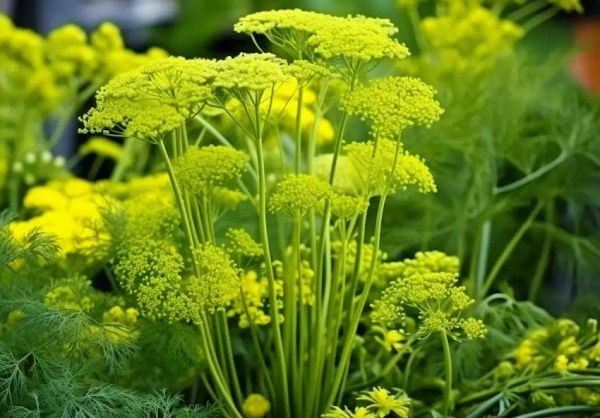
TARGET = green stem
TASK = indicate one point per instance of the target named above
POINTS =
(482, 255)
(542, 265)
(264, 237)
(180, 203)
(356, 313)
(527, 9)
(298, 154)
(448, 373)
(508, 251)
(540, 18)
(533, 176)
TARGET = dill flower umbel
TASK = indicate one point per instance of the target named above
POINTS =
(219, 278)
(200, 169)
(377, 169)
(296, 194)
(250, 72)
(439, 301)
(393, 104)
(352, 37)
(242, 243)
(468, 38)
(423, 262)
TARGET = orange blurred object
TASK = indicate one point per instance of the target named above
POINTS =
(586, 64)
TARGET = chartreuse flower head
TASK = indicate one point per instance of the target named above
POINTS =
(350, 38)
(249, 304)
(377, 169)
(557, 346)
(437, 298)
(392, 104)
(68, 52)
(151, 102)
(219, 278)
(478, 38)
(256, 406)
(424, 262)
(242, 243)
(297, 194)
(375, 403)
(250, 73)
(201, 169)
(118, 112)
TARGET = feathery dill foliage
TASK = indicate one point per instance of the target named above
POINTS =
(62, 347)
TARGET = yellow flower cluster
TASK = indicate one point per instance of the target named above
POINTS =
(200, 169)
(347, 207)
(256, 406)
(424, 262)
(218, 278)
(248, 302)
(45, 70)
(437, 298)
(378, 403)
(70, 211)
(241, 243)
(392, 104)
(559, 346)
(468, 37)
(152, 272)
(297, 194)
(391, 339)
(377, 169)
(329, 37)
(555, 347)
(250, 72)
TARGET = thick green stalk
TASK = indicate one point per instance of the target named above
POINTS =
(448, 374)
(264, 237)
(482, 255)
(357, 312)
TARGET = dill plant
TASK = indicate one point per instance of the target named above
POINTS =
(255, 271)
(310, 342)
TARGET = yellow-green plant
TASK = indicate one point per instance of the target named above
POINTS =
(304, 349)
(46, 80)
